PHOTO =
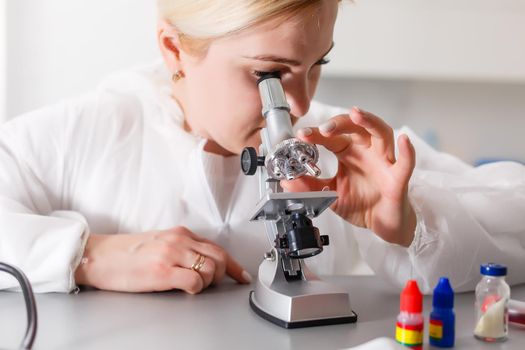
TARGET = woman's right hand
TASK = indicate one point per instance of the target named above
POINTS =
(155, 261)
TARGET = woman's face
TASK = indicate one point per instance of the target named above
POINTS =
(219, 94)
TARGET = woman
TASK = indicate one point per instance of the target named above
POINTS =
(154, 151)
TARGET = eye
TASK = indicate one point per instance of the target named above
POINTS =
(324, 60)
(259, 73)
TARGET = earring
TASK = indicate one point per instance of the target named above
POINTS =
(178, 75)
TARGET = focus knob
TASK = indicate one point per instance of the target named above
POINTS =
(249, 161)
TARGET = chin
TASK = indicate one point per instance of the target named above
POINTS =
(251, 140)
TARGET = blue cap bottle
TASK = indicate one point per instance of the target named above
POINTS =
(442, 318)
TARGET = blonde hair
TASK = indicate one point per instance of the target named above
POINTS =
(199, 22)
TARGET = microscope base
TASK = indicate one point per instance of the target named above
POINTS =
(300, 324)
(303, 302)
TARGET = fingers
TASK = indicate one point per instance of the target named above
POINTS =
(184, 256)
(217, 255)
(357, 128)
(343, 125)
(236, 271)
(162, 276)
(307, 183)
(194, 282)
(337, 134)
(187, 280)
(382, 135)
(218, 261)
(406, 159)
(335, 144)
(224, 263)
(205, 267)
(199, 264)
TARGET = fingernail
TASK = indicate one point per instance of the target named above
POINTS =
(326, 188)
(327, 127)
(360, 114)
(305, 131)
(246, 276)
(407, 139)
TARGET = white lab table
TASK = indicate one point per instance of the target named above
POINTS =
(219, 318)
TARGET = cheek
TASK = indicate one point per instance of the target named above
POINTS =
(315, 75)
(210, 104)
(243, 106)
(227, 108)
(236, 117)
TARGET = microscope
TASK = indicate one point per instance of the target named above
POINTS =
(287, 293)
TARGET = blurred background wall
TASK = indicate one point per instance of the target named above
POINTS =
(452, 70)
(3, 60)
(60, 48)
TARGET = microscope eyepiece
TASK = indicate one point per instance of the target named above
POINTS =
(268, 75)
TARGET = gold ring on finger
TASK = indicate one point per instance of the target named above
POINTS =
(199, 263)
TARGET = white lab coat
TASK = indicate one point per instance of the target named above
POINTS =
(118, 161)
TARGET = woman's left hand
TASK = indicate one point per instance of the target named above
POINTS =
(370, 182)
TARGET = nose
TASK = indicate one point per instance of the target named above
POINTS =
(299, 95)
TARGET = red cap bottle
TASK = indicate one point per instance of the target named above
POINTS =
(409, 325)
(411, 298)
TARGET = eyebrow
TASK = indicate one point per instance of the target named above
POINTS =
(283, 60)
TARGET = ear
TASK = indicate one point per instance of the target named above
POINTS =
(170, 46)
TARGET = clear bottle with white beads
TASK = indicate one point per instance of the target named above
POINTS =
(492, 297)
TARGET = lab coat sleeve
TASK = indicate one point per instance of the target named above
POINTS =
(36, 235)
(466, 216)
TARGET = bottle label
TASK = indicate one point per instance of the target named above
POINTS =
(409, 335)
(436, 329)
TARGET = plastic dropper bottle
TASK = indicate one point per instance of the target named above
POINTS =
(409, 326)
(442, 318)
